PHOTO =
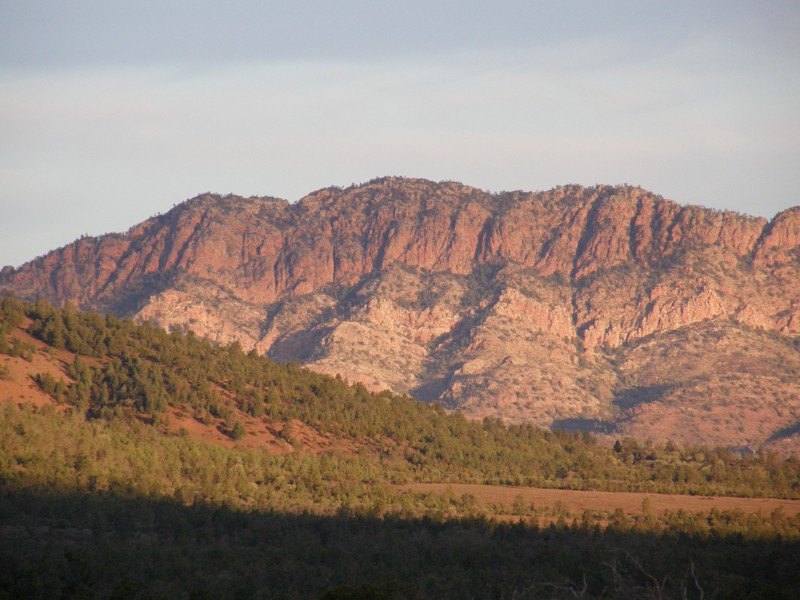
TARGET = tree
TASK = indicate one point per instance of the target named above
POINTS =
(238, 431)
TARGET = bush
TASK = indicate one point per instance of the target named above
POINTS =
(238, 431)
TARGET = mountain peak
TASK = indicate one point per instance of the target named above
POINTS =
(560, 308)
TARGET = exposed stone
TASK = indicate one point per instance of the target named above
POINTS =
(551, 307)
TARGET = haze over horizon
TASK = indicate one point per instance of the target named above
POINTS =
(111, 112)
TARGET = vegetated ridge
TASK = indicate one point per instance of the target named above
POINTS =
(106, 369)
(105, 491)
(607, 308)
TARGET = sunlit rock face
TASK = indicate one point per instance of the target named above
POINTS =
(606, 308)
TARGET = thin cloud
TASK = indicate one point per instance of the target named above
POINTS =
(118, 111)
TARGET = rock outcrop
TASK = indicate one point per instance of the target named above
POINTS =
(550, 307)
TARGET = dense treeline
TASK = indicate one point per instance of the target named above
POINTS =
(122, 369)
(111, 547)
(99, 499)
(43, 450)
(111, 509)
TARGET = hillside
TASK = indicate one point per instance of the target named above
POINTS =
(606, 309)
(137, 463)
(106, 369)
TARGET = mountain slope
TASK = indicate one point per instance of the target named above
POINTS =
(607, 308)
(102, 474)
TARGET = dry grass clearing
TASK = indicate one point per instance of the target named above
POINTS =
(631, 502)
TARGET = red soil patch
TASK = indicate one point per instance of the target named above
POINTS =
(261, 434)
(631, 502)
(17, 384)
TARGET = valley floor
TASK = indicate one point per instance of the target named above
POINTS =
(577, 501)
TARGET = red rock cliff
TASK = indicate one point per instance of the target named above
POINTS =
(523, 305)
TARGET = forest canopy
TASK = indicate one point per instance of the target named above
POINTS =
(99, 497)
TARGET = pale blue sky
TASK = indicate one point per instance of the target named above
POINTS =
(113, 111)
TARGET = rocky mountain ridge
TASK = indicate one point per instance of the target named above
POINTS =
(607, 308)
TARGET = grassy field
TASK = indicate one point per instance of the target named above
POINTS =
(576, 502)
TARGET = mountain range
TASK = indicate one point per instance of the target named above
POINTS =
(608, 308)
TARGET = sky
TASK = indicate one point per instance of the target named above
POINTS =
(113, 111)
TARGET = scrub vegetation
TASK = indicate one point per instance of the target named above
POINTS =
(101, 496)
